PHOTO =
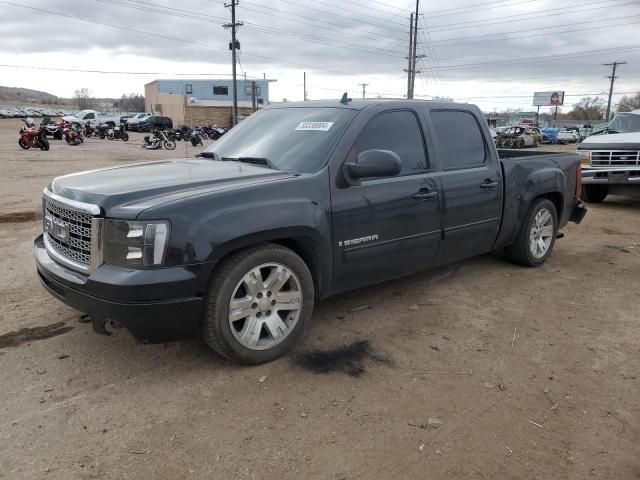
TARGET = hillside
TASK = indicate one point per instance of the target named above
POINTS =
(26, 95)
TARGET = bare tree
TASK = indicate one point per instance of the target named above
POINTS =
(588, 108)
(82, 99)
(629, 103)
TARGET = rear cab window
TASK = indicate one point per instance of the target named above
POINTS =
(460, 142)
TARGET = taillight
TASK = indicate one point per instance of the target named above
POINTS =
(578, 180)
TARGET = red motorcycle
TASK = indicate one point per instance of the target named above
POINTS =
(30, 137)
(72, 133)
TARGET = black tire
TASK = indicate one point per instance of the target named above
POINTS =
(594, 193)
(216, 330)
(24, 145)
(520, 251)
(44, 144)
(125, 137)
(170, 145)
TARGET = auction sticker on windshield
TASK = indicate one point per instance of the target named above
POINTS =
(315, 126)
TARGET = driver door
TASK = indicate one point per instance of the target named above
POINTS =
(386, 227)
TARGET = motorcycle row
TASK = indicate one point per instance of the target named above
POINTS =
(72, 133)
(167, 138)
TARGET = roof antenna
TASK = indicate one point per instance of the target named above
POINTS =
(345, 99)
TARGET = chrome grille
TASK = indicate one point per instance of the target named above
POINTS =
(616, 158)
(75, 245)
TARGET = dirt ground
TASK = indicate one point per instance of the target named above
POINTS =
(481, 370)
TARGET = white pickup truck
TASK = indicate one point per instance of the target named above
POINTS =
(611, 160)
(93, 117)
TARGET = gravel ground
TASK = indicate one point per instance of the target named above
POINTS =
(480, 370)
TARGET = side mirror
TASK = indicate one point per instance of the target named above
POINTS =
(372, 163)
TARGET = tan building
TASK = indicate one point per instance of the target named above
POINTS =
(196, 102)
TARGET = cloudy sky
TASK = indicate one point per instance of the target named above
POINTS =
(493, 53)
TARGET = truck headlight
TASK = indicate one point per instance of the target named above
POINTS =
(585, 157)
(135, 244)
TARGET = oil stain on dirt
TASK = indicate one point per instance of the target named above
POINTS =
(19, 217)
(24, 335)
(351, 359)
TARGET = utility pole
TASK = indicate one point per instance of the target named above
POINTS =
(613, 78)
(254, 99)
(415, 41)
(364, 86)
(233, 26)
(410, 57)
(304, 86)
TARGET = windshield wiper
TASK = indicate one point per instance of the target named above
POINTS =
(213, 155)
(252, 160)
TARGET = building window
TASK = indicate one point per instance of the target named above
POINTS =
(221, 90)
(188, 89)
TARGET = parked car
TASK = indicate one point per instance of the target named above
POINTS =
(301, 202)
(519, 137)
(92, 117)
(132, 123)
(611, 162)
(154, 122)
(567, 136)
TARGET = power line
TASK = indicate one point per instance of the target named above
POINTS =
(560, 56)
(256, 27)
(166, 37)
(114, 72)
(513, 18)
(446, 40)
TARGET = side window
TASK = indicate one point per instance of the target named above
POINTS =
(89, 116)
(396, 131)
(188, 89)
(460, 143)
(221, 90)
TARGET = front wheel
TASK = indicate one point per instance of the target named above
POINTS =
(23, 144)
(125, 137)
(259, 301)
(169, 145)
(537, 235)
(44, 144)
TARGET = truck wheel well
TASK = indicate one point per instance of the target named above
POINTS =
(304, 247)
(557, 200)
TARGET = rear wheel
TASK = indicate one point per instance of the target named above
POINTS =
(259, 301)
(537, 235)
(594, 193)
(44, 144)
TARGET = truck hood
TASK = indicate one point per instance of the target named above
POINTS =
(124, 192)
(613, 141)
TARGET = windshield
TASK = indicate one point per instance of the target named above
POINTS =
(296, 138)
(625, 123)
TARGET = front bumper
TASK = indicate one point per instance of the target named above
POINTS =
(156, 305)
(610, 176)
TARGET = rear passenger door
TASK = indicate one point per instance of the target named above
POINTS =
(471, 183)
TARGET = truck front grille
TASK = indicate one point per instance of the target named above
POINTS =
(616, 158)
(68, 231)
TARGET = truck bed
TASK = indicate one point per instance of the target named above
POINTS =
(507, 153)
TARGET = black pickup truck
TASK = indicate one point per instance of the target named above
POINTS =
(297, 203)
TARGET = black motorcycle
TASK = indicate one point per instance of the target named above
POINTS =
(50, 129)
(89, 131)
(158, 140)
(118, 133)
(102, 130)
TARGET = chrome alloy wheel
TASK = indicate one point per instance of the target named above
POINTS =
(541, 233)
(265, 306)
